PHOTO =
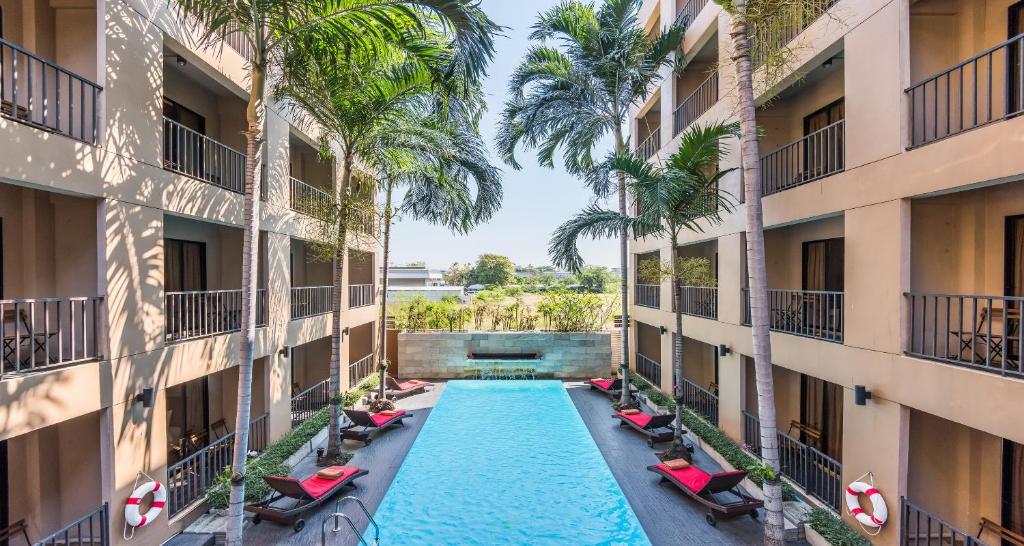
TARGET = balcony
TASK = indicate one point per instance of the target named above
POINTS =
(195, 155)
(696, 87)
(310, 177)
(689, 9)
(954, 92)
(699, 389)
(307, 199)
(192, 315)
(695, 104)
(922, 527)
(699, 300)
(647, 295)
(650, 145)
(361, 288)
(649, 369)
(309, 301)
(361, 344)
(92, 528)
(816, 155)
(39, 334)
(310, 401)
(646, 288)
(648, 352)
(647, 130)
(775, 36)
(806, 313)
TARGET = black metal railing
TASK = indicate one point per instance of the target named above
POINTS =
(307, 301)
(239, 42)
(650, 145)
(365, 222)
(702, 401)
(649, 369)
(918, 527)
(360, 370)
(699, 101)
(817, 155)
(981, 332)
(194, 154)
(985, 88)
(647, 295)
(819, 475)
(92, 529)
(807, 313)
(42, 333)
(792, 20)
(189, 315)
(308, 199)
(42, 94)
(190, 478)
(691, 10)
(308, 402)
(360, 295)
(698, 301)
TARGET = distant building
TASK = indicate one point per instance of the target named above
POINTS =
(414, 275)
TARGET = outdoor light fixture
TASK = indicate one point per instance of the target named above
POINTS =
(724, 350)
(663, 330)
(182, 61)
(284, 350)
(345, 331)
(861, 395)
(146, 397)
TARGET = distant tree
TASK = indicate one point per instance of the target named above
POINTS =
(492, 269)
(456, 274)
(594, 278)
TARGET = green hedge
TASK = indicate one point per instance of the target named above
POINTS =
(712, 435)
(272, 460)
(832, 529)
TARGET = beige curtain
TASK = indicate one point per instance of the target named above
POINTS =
(1015, 517)
(834, 438)
(1018, 256)
(814, 266)
(172, 266)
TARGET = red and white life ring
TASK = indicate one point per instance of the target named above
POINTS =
(879, 512)
(131, 507)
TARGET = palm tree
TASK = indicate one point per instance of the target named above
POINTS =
(680, 195)
(270, 28)
(352, 97)
(577, 94)
(432, 154)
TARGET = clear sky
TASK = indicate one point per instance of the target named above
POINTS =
(536, 199)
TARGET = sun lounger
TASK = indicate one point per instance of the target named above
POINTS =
(398, 389)
(657, 428)
(718, 492)
(364, 423)
(308, 494)
(611, 387)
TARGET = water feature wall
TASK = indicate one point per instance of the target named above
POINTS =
(446, 355)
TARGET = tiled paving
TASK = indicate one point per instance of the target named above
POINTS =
(668, 517)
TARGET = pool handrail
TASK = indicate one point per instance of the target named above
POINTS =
(362, 506)
(336, 517)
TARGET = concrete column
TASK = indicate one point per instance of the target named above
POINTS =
(730, 395)
(667, 375)
(276, 160)
(278, 248)
(876, 439)
(877, 240)
(278, 382)
(731, 254)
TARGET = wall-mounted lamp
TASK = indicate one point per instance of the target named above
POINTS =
(285, 351)
(345, 331)
(663, 330)
(724, 350)
(181, 61)
(861, 395)
(146, 397)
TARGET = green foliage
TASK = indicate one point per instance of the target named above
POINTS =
(573, 312)
(690, 271)
(595, 278)
(832, 529)
(417, 313)
(272, 461)
(712, 435)
(492, 269)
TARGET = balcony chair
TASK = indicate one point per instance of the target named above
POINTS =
(1004, 534)
(986, 342)
(17, 528)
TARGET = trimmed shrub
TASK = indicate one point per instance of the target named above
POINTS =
(834, 530)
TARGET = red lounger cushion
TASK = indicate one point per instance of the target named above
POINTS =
(639, 419)
(316, 487)
(408, 385)
(691, 477)
(380, 420)
(603, 384)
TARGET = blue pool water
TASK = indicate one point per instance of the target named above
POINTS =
(506, 462)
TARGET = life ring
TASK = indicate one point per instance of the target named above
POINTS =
(131, 508)
(879, 512)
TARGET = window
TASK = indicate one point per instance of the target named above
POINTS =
(823, 264)
(821, 412)
(823, 149)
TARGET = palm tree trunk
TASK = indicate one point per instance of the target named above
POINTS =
(758, 283)
(337, 297)
(624, 397)
(382, 344)
(250, 249)
(677, 340)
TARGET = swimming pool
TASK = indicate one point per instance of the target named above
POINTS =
(505, 462)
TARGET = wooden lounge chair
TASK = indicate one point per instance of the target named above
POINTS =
(657, 428)
(398, 389)
(17, 528)
(611, 387)
(718, 492)
(1006, 535)
(364, 423)
(308, 493)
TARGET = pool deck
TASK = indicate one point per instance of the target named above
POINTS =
(667, 516)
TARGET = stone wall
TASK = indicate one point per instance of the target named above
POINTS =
(444, 355)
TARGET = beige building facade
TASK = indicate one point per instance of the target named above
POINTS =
(894, 234)
(121, 180)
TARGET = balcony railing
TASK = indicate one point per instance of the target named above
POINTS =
(691, 10)
(702, 401)
(194, 154)
(307, 301)
(92, 528)
(44, 95)
(308, 402)
(649, 369)
(818, 474)
(980, 332)
(817, 155)
(360, 295)
(985, 88)
(698, 102)
(699, 301)
(650, 145)
(807, 313)
(360, 370)
(189, 478)
(238, 42)
(647, 295)
(918, 527)
(365, 222)
(43, 333)
(190, 315)
(308, 199)
(795, 19)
